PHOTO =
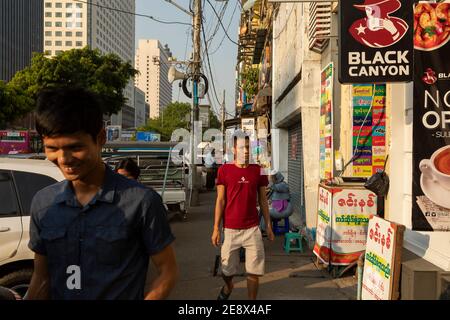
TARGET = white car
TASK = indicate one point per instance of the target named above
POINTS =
(19, 181)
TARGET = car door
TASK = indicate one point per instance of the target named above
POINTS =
(27, 185)
(10, 222)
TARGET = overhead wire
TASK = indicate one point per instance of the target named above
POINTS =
(132, 13)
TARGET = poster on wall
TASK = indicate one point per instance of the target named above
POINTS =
(369, 129)
(326, 123)
(381, 276)
(378, 44)
(431, 124)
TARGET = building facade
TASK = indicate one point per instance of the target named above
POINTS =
(152, 61)
(298, 71)
(100, 25)
(21, 34)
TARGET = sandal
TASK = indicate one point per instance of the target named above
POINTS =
(223, 295)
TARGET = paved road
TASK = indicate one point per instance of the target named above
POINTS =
(287, 277)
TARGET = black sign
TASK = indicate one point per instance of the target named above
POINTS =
(376, 41)
(431, 124)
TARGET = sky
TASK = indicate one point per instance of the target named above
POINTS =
(179, 39)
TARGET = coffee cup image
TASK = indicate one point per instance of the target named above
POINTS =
(435, 179)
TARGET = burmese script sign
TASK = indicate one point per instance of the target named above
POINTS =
(378, 44)
(382, 260)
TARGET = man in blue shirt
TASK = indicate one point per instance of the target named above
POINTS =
(93, 233)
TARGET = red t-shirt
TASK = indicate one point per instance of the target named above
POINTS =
(241, 186)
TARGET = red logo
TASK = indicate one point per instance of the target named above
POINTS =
(378, 29)
(429, 76)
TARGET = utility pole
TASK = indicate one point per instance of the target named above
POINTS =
(197, 24)
(223, 126)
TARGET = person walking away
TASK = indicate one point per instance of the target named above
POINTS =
(239, 185)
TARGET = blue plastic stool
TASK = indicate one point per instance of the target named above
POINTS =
(297, 246)
(277, 230)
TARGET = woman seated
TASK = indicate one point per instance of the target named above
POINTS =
(279, 197)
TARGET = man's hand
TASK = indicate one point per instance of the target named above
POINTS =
(215, 238)
(269, 231)
(166, 265)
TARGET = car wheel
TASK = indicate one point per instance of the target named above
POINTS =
(18, 281)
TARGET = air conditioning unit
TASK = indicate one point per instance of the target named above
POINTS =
(319, 26)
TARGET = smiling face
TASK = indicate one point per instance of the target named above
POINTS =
(77, 155)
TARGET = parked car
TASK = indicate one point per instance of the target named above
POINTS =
(20, 179)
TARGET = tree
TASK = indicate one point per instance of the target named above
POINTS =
(12, 105)
(104, 74)
(213, 121)
(171, 118)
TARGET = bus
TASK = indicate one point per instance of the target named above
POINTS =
(19, 141)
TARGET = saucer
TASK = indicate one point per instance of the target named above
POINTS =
(435, 192)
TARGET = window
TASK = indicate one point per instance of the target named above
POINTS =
(68, 5)
(79, 5)
(48, 33)
(79, 15)
(58, 43)
(79, 43)
(58, 24)
(58, 5)
(69, 14)
(48, 4)
(28, 184)
(48, 52)
(68, 33)
(48, 23)
(58, 52)
(48, 14)
(68, 43)
(48, 43)
(78, 24)
(58, 14)
(68, 24)
(58, 33)
(79, 34)
(8, 198)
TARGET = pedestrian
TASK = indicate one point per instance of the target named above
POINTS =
(239, 185)
(128, 168)
(279, 196)
(94, 232)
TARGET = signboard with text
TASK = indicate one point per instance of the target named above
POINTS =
(378, 44)
(326, 124)
(382, 260)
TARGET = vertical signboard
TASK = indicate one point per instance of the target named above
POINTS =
(326, 123)
(369, 129)
(323, 229)
(431, 124)
(352, 209)
(382, 260)
(378, 45)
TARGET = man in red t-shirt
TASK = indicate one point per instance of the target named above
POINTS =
(239, 185)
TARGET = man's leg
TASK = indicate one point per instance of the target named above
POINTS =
(254, 260)
(230, 258)
(252, 286)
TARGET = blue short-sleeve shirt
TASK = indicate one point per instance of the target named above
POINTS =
(107, 243)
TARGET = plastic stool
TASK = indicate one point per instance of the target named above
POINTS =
(297, 237)
(277, 230)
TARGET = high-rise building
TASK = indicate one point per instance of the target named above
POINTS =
(152, 61)
(99, 24)
(21, 34)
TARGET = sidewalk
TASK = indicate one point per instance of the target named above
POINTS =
(287, 277)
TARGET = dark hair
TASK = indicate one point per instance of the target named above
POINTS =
(129, 165)
(239, 134)
(65, 110)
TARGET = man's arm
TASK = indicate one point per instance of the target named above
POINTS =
(218, 214)
(40, 281)
(264, 207)
(166, 266)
